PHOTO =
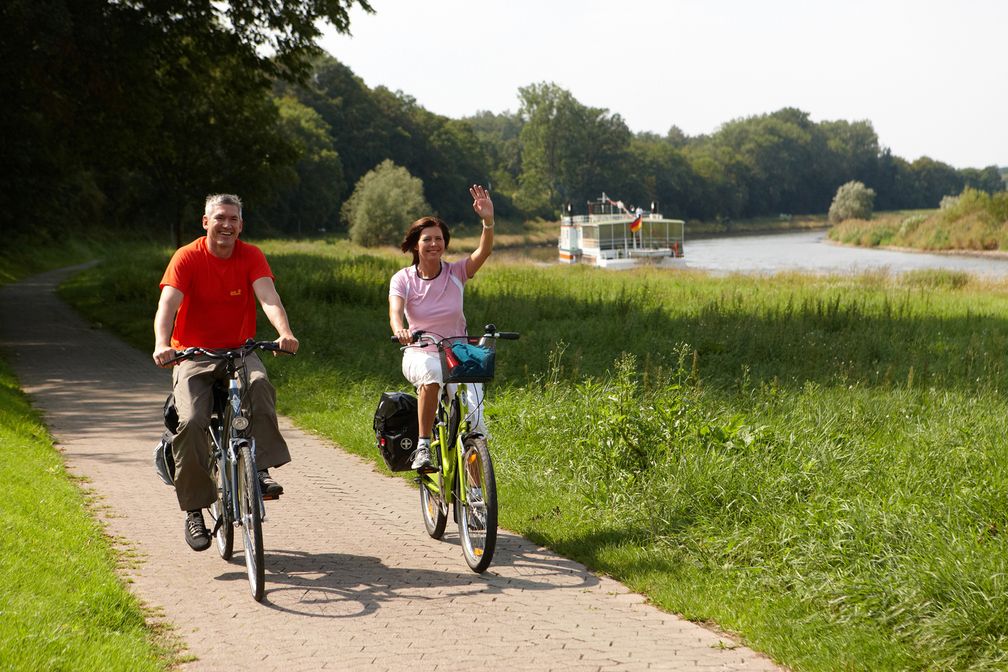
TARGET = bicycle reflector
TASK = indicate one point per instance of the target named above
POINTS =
(451, 358)
(240, 422)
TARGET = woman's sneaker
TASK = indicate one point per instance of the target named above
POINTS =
(196, 534)
(421, 458)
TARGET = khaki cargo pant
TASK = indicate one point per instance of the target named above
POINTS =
(193, 386)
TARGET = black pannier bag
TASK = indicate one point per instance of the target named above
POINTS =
(396, 430)
(164, 458)
(170, 413)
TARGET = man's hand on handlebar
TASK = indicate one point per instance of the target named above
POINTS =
(163, 356)
(287, 344)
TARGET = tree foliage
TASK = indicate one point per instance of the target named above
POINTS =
(383, 204)
(146, 105)
(369, 126)
(853, 200)
(310, 197)
(115, 107)
(570, 152)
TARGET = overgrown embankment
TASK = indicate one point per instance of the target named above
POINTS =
(974, 221)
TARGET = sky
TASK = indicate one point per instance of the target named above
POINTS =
(931, 77)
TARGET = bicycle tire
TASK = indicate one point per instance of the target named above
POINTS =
(432, 508)
(219, 511)
(477, 518)
(251, 521)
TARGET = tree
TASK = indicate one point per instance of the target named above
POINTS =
(853, 150)
(498, 134)
(444, 153)
(569, 151)
(117, 107)
(369, 126)
(658, 172)
(383, 203)
(311, 195)
(360, 129)
(777, 162)
(931, 180)
(988, 179)
(853, 200)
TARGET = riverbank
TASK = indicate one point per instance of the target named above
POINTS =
(974, 222)
(979, 254)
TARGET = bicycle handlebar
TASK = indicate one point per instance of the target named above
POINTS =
(489, 331)
(231, 353)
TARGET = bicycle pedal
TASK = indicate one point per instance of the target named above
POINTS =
(430, 469)
(270, 498)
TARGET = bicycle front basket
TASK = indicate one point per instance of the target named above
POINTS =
(466, 361)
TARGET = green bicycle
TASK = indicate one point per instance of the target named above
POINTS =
(462, 472)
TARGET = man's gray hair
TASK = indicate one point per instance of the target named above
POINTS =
(222, 199)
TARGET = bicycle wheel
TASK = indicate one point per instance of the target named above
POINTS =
(221, 514)
(431, 505)
(477, 518)
(251, 520)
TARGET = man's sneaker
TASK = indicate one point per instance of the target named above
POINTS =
(421, 458)
(196, 534)
(270, 488)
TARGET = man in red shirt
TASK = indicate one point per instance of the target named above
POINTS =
(208, 299)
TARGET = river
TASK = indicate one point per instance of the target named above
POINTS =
(810, 251)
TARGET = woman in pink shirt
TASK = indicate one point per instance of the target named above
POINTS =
(428, 296)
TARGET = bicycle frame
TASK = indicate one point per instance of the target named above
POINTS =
(226, 440)
(449, 432)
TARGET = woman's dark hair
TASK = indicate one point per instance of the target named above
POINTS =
(412, 238)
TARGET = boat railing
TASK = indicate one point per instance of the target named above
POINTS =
(608, 219)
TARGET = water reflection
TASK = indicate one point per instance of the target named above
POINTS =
(809, 251)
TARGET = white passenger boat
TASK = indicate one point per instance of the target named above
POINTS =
(616, 237)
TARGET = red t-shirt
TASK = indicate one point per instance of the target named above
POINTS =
(218, 306)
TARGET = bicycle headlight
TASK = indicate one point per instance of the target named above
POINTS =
(240, 422)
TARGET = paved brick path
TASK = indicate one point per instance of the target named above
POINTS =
(352, 579)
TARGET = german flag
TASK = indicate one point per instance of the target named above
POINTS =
(636, 224)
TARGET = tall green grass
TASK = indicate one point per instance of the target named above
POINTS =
(62, 607)
(815, 463)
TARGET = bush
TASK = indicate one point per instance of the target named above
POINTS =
(852, 201)
(384, 203)
(948, 202)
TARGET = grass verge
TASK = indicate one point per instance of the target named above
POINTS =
(63, 606)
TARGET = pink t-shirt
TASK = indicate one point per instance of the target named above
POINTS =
(433, 305)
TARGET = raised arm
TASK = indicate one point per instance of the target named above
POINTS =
(483, 207)
(269, 299)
